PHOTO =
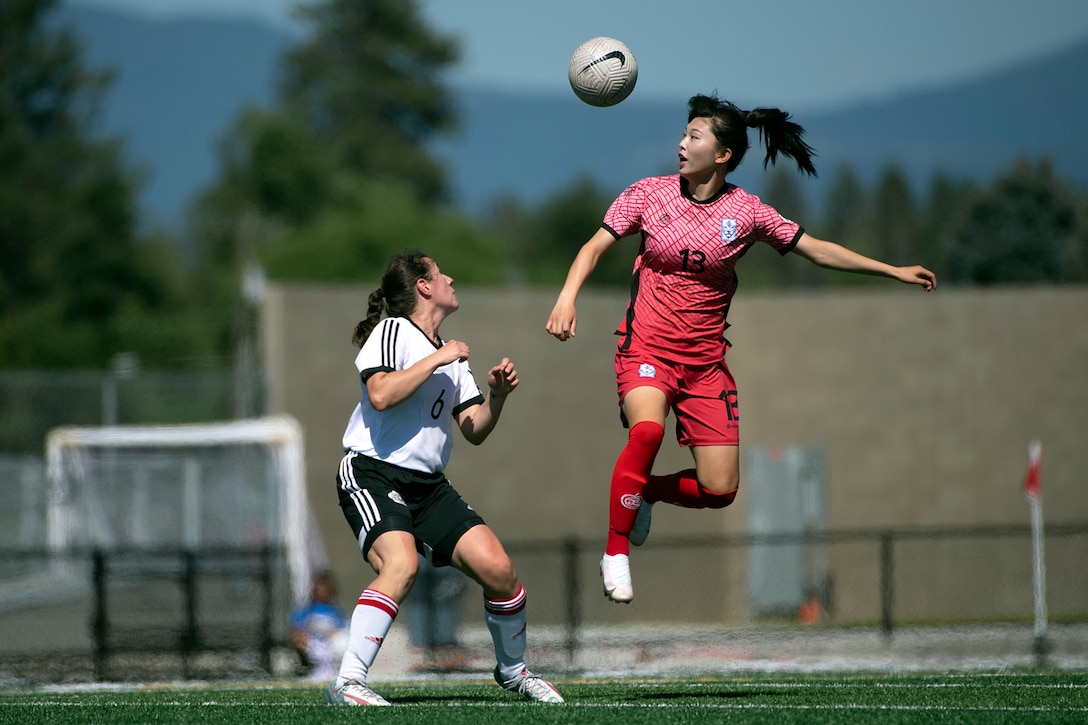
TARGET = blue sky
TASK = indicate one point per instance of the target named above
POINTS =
(809, 54)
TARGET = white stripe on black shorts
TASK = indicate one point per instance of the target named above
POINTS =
(377, 497)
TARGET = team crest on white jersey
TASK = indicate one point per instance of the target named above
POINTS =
(646, 370)
(395, 496)
(729, 230)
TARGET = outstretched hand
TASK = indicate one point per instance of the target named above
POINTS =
(502, 379)
(917, 275)
(562, 322)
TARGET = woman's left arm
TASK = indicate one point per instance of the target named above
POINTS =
(477, 422)
(835, 256)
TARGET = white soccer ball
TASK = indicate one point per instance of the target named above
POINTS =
(602, 71)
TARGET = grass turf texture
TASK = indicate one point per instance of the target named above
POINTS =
(976, 698)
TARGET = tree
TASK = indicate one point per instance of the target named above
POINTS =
(552, 234)
(351, 239)
(1023, 229)
(76, 284)
(894, 218)
(846, 208)
(338, 176)
(276, 166)
(762, 266)
(946, 198)
(1077, 265)
(848, 221)
(366, 85)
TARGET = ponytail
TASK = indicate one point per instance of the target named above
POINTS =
(374, 309)
(397, 294)
(780, 134)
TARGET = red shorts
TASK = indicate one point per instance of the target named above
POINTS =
(703, 398)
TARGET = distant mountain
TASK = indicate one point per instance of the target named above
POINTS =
(181, 84)
(971, 130)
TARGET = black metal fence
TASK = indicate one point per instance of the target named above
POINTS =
(884, 578)
(120, 624)
(126, 614)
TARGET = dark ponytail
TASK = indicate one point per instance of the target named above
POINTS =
(397, 295)
(730, 126)
(780, 134)
(375, 307)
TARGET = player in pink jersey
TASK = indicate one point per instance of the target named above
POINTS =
(694, 228)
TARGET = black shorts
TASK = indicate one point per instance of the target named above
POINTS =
(377, 497)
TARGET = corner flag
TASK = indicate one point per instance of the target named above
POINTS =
(1031, 480)
(1031, 490)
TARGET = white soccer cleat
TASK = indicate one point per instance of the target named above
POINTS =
(530, 686)
(641, 529)
(616, 577)
(353, 693)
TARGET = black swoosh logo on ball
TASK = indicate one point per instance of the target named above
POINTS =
(608, 56)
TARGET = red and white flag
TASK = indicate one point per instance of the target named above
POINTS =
(1031, 480)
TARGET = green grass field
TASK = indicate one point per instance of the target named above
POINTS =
(975, 697)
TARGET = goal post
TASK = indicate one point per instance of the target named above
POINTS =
(235, 484)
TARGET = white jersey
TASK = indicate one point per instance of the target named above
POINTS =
(415, 433)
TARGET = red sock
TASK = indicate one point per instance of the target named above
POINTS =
(682, 489)
(629, 476)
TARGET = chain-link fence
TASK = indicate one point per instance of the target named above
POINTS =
(33, 402)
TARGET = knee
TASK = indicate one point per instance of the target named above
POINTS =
(404, 576)
(499, 579)
(720, 500)
(401, 568)
(721, 483)
(647, 435)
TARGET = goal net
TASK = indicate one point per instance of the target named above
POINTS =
(238, 485)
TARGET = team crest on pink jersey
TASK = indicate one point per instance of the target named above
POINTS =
(646, 370)
(729, 230)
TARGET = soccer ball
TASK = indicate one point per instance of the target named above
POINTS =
(602, 71)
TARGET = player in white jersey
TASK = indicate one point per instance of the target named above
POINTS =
(391, 484)
(694, 227)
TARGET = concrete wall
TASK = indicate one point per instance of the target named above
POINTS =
(925, 403)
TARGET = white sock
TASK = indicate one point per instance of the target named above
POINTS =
(370, 623)
(506, 620)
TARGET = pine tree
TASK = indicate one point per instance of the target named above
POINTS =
(339, 175)
(76, 284)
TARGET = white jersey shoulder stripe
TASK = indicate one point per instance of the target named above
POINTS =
(390, 333)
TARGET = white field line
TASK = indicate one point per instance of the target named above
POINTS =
(591, 705)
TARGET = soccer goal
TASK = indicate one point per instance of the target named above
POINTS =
(197, 487)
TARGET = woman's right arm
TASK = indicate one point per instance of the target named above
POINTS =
(386, 389)
(563, 321)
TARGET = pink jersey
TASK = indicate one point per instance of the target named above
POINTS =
(684, 276)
